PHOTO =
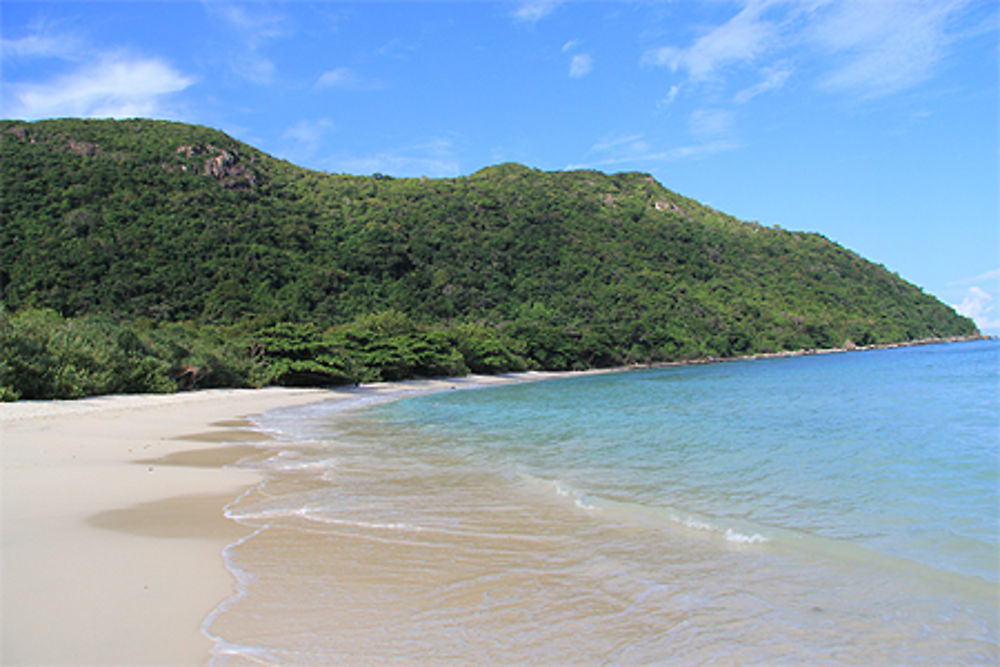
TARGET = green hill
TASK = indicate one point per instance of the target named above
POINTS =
(158, 223)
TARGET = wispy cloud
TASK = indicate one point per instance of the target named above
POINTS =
(991, 275)
(978, 304)
(774, 78)
(882, 47)
(346, 78)
(706, 149)
(40, 46)
(43, 39)
(710, 122)
(741, 39)
(669, 99)
(634, 144)
(309, 132)
(255, 26)
(580, 65)
(398, 49)
(434, 157)
(531, 11)
(978, 298)
(304, 139)
(116, 86)
(83, 80)
(636, 150)
(858, 47)
(254, 67)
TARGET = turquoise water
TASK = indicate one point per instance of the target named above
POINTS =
(837, 508)
(896, 451)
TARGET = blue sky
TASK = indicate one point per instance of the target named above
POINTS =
(872, 122)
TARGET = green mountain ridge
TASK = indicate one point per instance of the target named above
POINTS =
(166, 222)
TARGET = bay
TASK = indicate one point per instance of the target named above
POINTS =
(822, 508)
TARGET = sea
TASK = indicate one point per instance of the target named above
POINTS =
(835, 508)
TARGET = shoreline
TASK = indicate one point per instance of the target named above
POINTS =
(807, 352)
(113, 524)
(424, 525)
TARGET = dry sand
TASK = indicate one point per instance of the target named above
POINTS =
(112, 518)
(109, 555)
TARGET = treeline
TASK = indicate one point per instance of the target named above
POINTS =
(43, 355)
(183, 241)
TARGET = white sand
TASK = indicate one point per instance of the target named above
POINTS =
(107, 558)
(74, 593)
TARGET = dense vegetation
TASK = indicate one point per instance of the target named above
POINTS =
(142, 255)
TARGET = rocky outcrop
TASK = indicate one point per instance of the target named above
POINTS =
(190, 151)
(22, 134)
(220, 166)
(664, 205)
(227, 168)
(84, 148)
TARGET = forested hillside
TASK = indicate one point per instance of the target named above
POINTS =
(151, 227)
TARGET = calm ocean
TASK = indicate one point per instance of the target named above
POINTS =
(829, 508)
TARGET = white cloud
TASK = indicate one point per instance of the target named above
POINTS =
(743, 38)
(978, 299)
(978, 304)
(696, 151)
(774, 78)
(255, 28)
(531, 11)
(398, 49)
(570, 45)
(710, 122)
(335, 77)
(664, 56)
(632, 143)
(346, 78)
(254, 67)
(115, 87)
(304, 139)
(992, 274)
(42, 40)
(635, 150)
(864, 47)
(39, 46)
(882, 47)
(434, 157)
(580, 65)
(309, 132)
(669, 99)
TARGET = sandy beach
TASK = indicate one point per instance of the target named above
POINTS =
(113, 522)
(107, 556)
(114, 528)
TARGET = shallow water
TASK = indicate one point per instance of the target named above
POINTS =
(827, 508)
